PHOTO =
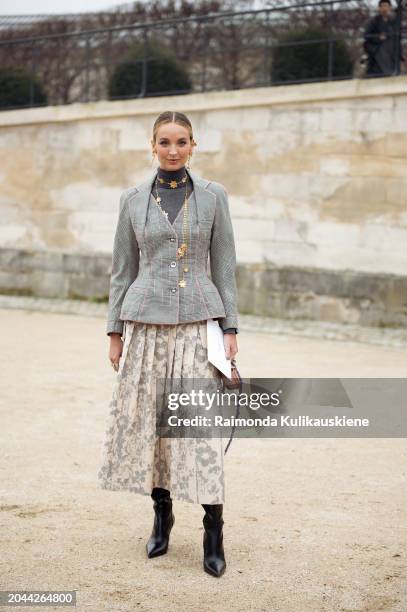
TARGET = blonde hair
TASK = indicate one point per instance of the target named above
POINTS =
(173, 117)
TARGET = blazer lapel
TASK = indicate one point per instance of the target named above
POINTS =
(138, 202)
(205, 199)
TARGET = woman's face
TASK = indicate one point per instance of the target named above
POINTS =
(172, 146)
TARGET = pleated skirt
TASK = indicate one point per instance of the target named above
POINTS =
(133, 456)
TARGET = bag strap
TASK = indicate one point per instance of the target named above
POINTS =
(233, 362)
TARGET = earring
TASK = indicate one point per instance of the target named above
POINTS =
(152, 159)
(187, 164)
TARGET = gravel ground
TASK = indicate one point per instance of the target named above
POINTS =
(310, 524)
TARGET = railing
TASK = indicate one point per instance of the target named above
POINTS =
(222, 51)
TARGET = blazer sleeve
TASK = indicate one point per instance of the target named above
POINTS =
(125, 266)
(223, 259)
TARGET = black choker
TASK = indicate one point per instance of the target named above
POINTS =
(172, 179)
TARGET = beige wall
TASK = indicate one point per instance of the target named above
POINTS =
(316, 173)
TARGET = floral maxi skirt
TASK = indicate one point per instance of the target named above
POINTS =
(134, 457)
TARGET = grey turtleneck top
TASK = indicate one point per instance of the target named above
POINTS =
(173, 199)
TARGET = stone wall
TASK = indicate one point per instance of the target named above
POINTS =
(316, 177)
(285, 292)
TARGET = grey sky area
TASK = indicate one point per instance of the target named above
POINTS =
(30, 7)
(36, 7)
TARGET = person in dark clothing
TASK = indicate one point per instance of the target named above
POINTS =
(382, 42)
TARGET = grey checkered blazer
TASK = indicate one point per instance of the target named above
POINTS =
(145, 271)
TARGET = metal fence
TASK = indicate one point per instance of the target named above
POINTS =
(305, 42)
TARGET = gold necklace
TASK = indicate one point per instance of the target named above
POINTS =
(173, 184)
(181, 251)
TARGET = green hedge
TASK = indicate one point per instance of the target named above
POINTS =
(15, 84)
(164, 74)
(309, 61)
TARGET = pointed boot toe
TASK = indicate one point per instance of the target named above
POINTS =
(156, 547)
(215, 566)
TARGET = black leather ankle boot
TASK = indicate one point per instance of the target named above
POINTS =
(163, 522)
(214, 556)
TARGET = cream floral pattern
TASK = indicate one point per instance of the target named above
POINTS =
(133, 456)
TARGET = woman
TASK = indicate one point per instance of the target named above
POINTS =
(159, 301)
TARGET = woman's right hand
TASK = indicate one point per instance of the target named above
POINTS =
(115, 350)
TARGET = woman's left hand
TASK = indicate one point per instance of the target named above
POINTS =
(230, 342)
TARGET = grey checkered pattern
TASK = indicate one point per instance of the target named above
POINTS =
(145, 271)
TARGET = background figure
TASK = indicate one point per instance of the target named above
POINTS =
(382, 42)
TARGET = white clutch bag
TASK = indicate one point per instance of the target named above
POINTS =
(216, 348)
